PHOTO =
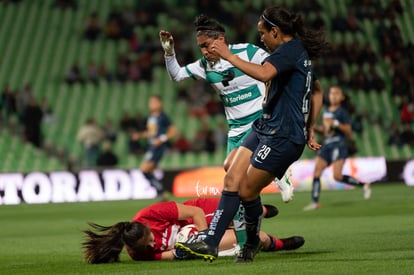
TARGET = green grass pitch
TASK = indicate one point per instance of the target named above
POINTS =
(346, 236)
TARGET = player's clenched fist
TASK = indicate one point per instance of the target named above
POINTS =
(167, 42)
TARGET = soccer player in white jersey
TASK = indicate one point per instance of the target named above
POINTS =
(240, 94)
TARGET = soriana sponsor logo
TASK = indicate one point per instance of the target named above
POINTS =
(204, 182)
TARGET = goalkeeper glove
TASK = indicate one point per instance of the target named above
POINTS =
(167, 43)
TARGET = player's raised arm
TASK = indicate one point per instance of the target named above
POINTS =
(167, 42)
(175, 71)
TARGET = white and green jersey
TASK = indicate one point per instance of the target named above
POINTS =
(240, 94)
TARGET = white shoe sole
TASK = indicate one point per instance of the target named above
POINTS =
(285, 187)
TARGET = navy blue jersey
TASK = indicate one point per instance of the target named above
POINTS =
(157, 125)
(342, 115)
(335, 144)
(287, 98)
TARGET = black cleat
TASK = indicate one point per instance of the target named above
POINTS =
(199, 250)
(248, 252)
(270, 211)
(292, 243)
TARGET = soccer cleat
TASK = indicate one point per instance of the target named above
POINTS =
(248, 252)
(199, 250)
(270, 211)
(285, 186)
(312, 206)
(292, 243)
(367, 191)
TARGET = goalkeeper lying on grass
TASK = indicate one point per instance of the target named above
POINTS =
(152, 233)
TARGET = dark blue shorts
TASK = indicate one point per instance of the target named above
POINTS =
(334, 151)
(272, 153)
(155, 154)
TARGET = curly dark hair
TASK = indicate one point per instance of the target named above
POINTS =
(293, 24)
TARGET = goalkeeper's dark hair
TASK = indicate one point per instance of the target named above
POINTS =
(103, 244)
(293, 24)
(207, 26)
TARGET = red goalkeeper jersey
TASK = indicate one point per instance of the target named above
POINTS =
(162, 218)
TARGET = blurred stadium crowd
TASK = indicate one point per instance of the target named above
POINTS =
(363, 67)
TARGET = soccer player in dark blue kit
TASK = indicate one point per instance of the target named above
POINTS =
(336, 130)
(159, 131)
(290, 108)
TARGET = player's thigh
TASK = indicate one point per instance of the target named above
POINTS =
(238, 169)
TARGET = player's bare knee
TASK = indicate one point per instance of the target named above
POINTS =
(231, 182)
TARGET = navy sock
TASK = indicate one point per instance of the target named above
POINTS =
(154, 182)
(253, 212)
(316, 189)
(226, 209)
(351, 181)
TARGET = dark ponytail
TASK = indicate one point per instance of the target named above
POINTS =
(293, 24)
(103, 244)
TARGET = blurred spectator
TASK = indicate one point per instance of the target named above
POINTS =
(113, 28)
(407, 110)
(394, 137)
(32, 121)
(48, 116)
(121, 73)
(198, 141)
(90, 136)
(104, 73)
(134, 71)
(93, 27)
(357, 123)
(73, 4)
(373, 81)
(318, 22)
(214, 106)
(352, 23)
(93, 73)
(74, 75)
(210, 141)
(7, 102)
(357, 80)
(10, 1)
(204, 139)
(407, 134)
(107, 158)
(110, 130)
(126, 122)
(128, 20)
(23, 97)
(339, 23)
(146, 64)
(182, 144)
(367, 55)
